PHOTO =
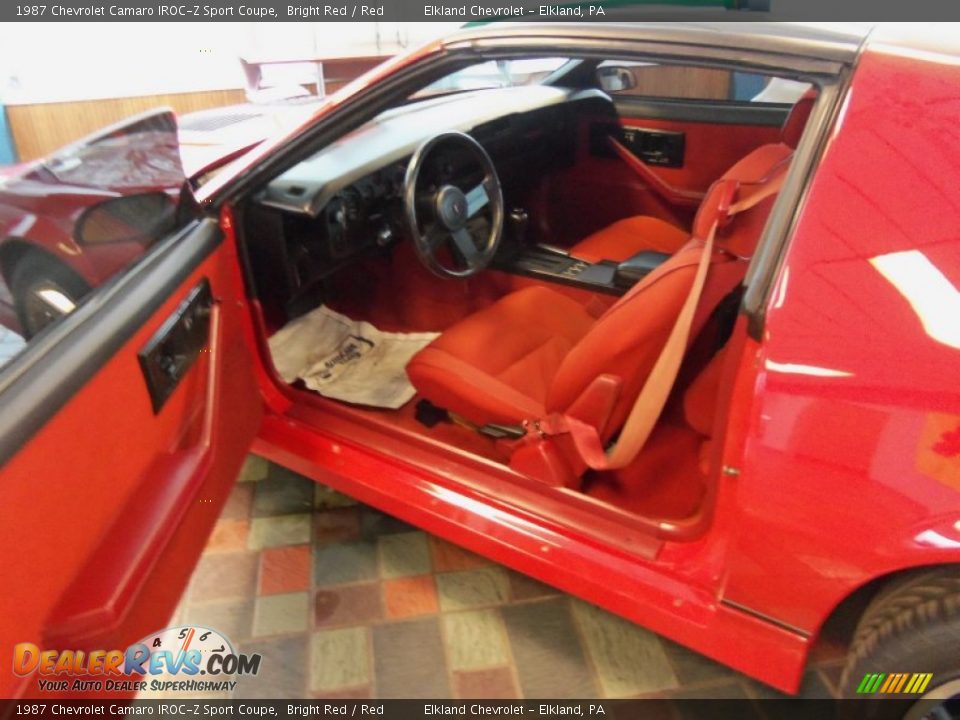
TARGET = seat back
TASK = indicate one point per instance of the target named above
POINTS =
(627, 339)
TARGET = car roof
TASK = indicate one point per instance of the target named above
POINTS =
(837, 42)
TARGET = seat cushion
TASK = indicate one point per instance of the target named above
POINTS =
(625, 238)
(497, 364)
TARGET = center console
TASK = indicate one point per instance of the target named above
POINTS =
(552, 264)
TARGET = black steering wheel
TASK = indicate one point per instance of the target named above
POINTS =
(456, 228)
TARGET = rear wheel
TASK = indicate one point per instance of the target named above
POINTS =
(912, 628)
(44, 290)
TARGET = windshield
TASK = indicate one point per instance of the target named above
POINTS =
(495, 74)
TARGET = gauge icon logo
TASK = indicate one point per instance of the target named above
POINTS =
(189, 650)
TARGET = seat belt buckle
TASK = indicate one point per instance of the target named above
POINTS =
(727, 191)
(716, 207)
(542, 428)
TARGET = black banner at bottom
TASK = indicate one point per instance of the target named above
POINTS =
(740, 709)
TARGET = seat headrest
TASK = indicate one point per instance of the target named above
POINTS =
(797, 119)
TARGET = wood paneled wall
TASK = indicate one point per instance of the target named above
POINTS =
(678, 81)
(40, 129)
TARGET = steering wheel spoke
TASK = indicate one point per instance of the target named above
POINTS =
(463, 241)
(477, 199)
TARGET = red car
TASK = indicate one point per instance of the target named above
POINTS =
(45, 268)
(689, 357)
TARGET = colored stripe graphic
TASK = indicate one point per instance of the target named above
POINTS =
(894, 683)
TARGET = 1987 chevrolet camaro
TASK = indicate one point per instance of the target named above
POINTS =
(695, 357)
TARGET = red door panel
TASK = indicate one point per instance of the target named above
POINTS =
(111, 503)
(600, 189)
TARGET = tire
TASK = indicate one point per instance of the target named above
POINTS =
(34, 273)
(911, 627)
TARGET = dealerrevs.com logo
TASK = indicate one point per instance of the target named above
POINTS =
(183, 658)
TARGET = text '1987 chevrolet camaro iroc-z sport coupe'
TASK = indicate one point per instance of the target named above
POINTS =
(666, 316)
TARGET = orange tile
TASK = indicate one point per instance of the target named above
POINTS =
(410, 596)
(495, 683)
(348, 605)
(447, 557)
(284, 569)
(228, 535)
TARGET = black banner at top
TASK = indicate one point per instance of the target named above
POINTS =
(478, 11)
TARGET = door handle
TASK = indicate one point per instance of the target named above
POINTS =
(172, 350)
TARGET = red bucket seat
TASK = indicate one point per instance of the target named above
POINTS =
(628, 236)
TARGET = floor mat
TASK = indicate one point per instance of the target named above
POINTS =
(346, 359)
(664, 481)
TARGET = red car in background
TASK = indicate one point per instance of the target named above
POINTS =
(696, 359)
(45, 267)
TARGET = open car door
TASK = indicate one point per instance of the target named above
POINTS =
(122, 430)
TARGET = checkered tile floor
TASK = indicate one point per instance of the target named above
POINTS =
(344, 601)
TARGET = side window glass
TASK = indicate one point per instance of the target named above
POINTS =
(75, 217)
(685, 82)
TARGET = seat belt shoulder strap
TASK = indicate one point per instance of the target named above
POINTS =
(659, 383)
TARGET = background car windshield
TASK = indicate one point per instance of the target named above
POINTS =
(495, 74)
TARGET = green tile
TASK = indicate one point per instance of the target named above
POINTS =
(475, 639)
(233, 618)
(281, 614)
(282, 493)
(339, 659)
(404, 554)
(472, 588)
(544, 642)
(344, 562)
(283, 669)
(629, 660)
(409, 660)
(692, 668)
(277, 531)
(524, 587)
(254, 469)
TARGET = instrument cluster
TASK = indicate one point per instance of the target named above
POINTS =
(367, 212)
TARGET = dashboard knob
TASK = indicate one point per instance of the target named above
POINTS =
(385, 236)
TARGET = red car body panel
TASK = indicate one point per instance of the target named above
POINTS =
(849, 451)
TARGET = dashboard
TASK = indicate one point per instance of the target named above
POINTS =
(346, 201)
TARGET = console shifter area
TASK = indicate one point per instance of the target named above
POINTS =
(554, 264)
